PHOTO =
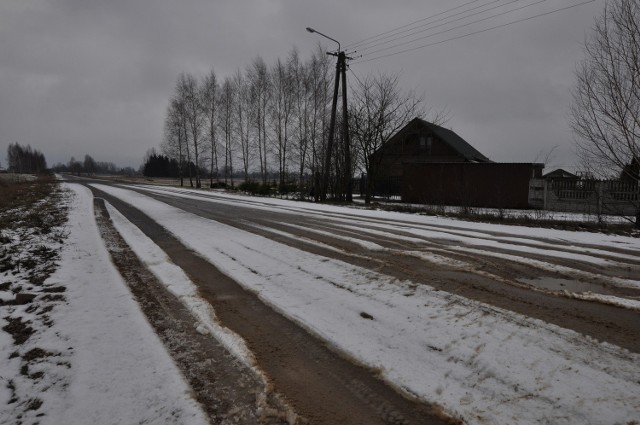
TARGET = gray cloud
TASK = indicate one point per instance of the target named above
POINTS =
(93, 77)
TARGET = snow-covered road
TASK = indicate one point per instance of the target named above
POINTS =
(482, 363)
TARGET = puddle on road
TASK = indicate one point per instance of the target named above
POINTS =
(556, 284)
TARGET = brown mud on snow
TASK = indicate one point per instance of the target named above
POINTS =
(229, 392)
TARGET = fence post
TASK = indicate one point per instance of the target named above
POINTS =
(544, 194)
(600, 194)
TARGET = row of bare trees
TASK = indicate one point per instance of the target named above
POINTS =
(272, 122)
(261, 120)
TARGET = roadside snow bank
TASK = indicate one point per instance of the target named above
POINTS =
(118, 370)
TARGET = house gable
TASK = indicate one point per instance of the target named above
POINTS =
(560, 174)
(422, 142)
(431, 142)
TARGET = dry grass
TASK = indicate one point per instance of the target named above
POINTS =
(18, 193)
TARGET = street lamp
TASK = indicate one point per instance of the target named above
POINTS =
(312, 31)
(341, 69)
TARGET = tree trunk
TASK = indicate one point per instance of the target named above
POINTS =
(368, 190)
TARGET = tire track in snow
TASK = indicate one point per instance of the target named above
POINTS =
(464, 344)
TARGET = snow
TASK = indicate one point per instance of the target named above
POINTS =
(108, 366)
(472, 238)
(461, 265)
(482, 229)
(481, 363)
(177, 282)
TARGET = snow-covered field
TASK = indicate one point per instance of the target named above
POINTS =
(91, 357)
(481, 363)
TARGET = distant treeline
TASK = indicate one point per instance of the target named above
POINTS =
(158, 165)
(91, 166)
(25, 160)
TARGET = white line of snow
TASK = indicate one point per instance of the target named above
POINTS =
(484, 364)
(364, 244)
(492, 243)
(296, 237)
(384, 234)
(614, 281)
(607, 299)
(439, 259)
(546, 247)
(179, 284)
(631, 304)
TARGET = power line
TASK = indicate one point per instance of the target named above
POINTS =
(352, 45)
(412, 26)
(475, 32)
(458, 27)
(430, 27)
(357, 79)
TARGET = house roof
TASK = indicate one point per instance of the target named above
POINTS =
(560, 174)
(449, 137)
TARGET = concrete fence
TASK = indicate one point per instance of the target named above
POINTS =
(598, 197)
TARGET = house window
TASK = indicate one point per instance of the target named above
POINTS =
(425, 145)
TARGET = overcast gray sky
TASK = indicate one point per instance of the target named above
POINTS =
(94, 76)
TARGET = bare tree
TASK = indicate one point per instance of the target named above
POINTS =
(227, 101)
(260, 86)
(242, 119)
(194, 116)
(209, 95)
(302, 86)
(180, 103)
(605, 115)
(175, 136)
(320, 75)
(378, 110)
(281, 109)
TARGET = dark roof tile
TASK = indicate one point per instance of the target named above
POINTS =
(456, 142)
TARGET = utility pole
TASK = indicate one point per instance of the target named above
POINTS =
(341, 70)
(346, 140)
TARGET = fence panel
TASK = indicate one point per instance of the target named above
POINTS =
(585, 196)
